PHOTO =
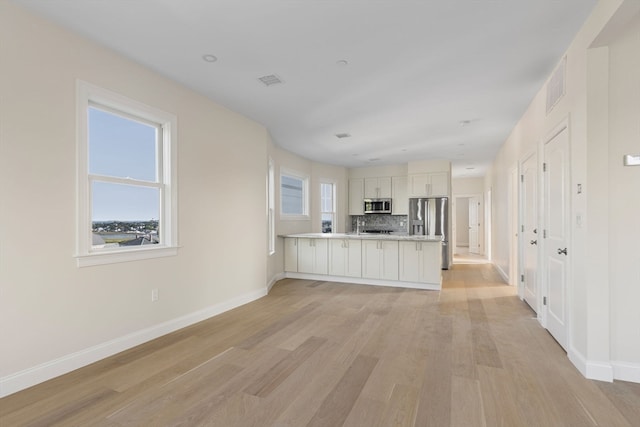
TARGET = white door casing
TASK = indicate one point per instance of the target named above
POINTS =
(556, 229)
(474, 225)
(529, 236)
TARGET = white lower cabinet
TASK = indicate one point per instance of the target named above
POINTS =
(345, 257)
(380, 259)
(291, 254)
(312, 256)
(420, 262)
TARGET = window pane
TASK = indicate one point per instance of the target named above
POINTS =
(121, 147)
(327, 222)
(124, 215)
(292, 195)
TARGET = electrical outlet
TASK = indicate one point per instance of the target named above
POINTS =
(154, 295)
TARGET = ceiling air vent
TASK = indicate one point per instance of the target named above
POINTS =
(343, 135)
(556, 85)
(270, 80)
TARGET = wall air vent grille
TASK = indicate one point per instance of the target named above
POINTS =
(342, 135)
(270, 80)
(556, 86)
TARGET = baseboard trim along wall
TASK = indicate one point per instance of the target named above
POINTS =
(625, 371)
(275, 279)
(54, 368)
(504, 275)
(593, 370)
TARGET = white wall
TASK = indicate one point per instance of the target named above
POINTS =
(601, 106)
(462, 221)
(624, 193)
(50, 309)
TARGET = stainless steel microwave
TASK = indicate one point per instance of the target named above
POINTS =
(377, 206)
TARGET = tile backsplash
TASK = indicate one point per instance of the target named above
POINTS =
(397, 223)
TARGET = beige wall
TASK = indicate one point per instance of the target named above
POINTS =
(601, 106)
(51, 309)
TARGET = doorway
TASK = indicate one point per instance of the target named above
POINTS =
(469, 230)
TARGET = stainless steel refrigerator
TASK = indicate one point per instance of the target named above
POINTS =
(430, 217)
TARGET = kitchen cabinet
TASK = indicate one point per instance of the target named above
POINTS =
(312, 256)
(345, 257)
(291, 254)
(356, 196)
(429, 184)
(399, 195)
(420, 262)
(377, 188)
(380, 259)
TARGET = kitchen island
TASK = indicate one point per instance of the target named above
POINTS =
(399, 260)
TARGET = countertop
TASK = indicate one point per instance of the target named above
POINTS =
(365, 236)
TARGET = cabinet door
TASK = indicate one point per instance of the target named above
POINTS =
(320, 256)
(431, 262)
(439, 184)
(337, 257)
(356, 196)
(419, 185)
(371, 188)
(306, 255)
(370, 259)
(389, 259)
(410, 260)
(400, 199)
(291, 254)
(354, 258)
(384, 187)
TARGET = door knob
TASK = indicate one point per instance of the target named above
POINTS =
(562, 251)
(534, 242)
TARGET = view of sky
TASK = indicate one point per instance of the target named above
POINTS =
(123, 148)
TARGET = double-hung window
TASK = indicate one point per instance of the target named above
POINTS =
(294, 195)
(126, 179)
(328, 206)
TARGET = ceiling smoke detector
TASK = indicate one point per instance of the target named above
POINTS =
(270, 80)
(343, 135)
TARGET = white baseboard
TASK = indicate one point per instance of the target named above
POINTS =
(591, 369)
(502, 273)
(274, 279)
(54, 368)
(625, 371)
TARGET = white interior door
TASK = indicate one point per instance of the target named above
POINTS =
(556, 223)
(529, 235)
(474, 225)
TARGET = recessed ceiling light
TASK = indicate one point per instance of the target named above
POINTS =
(470, 169)
(209, 58)
(465, 122)
(342, 63)
(343, 135)
(375, 159)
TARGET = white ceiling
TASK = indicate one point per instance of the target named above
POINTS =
(416, 69)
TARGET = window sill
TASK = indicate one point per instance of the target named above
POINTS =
(114, 257)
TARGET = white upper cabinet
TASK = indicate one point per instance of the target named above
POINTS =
(356, 196)
(376, 188)
(429, 184)
(400, 199)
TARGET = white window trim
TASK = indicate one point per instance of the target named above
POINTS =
(86, 255)
(271, 206)
(305, 196)
(334, 212)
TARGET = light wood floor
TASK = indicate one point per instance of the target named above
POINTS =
(326, 354)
